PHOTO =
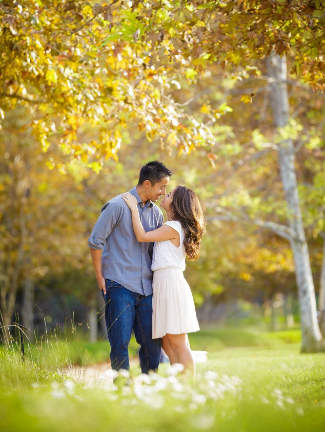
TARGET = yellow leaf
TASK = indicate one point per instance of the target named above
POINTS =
(95, 166)
(45, 144)
(51, 76)
(205, 109)
(50, 164)
(117, 134)
(246, 98)
(84, 157)
(245, 276)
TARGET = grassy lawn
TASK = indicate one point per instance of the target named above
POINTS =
(266, 385)
(80, 352)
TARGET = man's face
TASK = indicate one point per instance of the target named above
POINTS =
(158, 190)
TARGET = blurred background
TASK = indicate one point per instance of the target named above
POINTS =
(245, 275)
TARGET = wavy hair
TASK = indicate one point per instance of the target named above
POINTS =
(186, 208)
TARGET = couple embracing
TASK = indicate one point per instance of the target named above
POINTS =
(139, 263)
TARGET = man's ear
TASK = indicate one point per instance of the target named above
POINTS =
(147, 184)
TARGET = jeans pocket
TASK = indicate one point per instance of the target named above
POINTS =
(112, 284)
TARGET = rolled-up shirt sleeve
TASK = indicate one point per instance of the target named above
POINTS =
(107, 221)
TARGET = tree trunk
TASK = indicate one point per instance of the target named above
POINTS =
(274, 318)
(5, 320)
(28, 306)
(92, 321)
(288, 311)
(275, 313)
(311, 336)
(322, 293)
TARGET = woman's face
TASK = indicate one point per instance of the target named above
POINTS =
(166, 202)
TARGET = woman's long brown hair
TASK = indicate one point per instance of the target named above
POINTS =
(186, 208)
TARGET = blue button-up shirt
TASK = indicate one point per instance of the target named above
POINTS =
(124, 259)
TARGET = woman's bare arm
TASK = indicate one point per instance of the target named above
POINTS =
(165, 232)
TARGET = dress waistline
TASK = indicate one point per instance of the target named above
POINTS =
(167, 273)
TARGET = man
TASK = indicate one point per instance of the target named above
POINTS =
(123, 270)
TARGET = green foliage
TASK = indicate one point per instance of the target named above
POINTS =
(104, 66)
(58, 62)
(213, 340)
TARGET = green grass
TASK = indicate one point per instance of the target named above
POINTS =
(300, 376)
(277, 389)
(217, 339)
(81, 352)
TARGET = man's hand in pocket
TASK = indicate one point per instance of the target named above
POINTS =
(101, 283)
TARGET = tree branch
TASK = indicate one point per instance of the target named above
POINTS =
(84, 25)
(91, 19)
(15, 96)
(281, 230)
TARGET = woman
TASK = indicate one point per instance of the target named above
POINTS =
(173, 306)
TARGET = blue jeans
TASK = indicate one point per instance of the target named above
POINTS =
(126, 311)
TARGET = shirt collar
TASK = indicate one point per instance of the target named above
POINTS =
(135, 193)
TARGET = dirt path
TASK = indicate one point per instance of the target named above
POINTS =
(101, 374)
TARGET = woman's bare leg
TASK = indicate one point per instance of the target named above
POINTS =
(169, 351)
(179, 344)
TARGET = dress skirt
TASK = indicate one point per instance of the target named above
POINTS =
(173, 305)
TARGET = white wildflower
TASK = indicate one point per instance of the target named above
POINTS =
(192, 406)
(280, 403)
(264, 400)
(177, 386)
(112, 396)
(160, 385)
(199, 398)
(126, 390)
(58, 394)
(171, 379)
(157, 401)
(138, 390)
(179, 408)
(300, 411)
(124, 373)
(155, 377)
(69, 386)
(109, 374)
(175, 369)
(210, 375)
(203, 421)
(146, 379)
(79, 398)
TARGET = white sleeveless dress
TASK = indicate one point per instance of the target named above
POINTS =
(173, 305)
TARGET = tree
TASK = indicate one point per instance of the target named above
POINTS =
(53, 63)
(322, 293)
(42, 217)
(277, 140)
(166, 41)
(311, 336)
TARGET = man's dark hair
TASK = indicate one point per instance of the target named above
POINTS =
(153, 171)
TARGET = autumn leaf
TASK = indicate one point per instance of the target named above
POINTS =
(246, 99)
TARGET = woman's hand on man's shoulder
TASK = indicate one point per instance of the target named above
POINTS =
(130, 200)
